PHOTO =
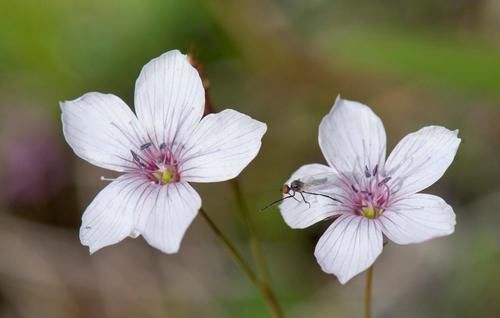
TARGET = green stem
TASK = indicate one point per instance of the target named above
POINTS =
(255, 245)
(264, 283)
(263, 287)
(368, 292)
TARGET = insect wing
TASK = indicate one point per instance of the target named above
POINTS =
(320, 182)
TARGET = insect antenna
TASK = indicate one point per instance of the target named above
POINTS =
(276, 202)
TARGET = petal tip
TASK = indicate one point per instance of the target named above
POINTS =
(173, 52)
(91, 248)
(338, 101)
(169, 250)
(343, 279)
(62, 105)
(262, 127)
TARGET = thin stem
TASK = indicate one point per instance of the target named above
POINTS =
(263, 287)
(255, 245)
(264, 282)
(368, 292)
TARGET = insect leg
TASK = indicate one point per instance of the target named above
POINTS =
(304, 199)
(323, 195)
(293, 196)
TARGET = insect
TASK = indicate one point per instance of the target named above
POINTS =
(306, 185)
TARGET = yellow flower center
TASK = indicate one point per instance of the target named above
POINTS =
(165, 175)
(371, 212)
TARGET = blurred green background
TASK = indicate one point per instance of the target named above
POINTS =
(415, 63)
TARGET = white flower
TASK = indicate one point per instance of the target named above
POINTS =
(166, 146)
(377, 196)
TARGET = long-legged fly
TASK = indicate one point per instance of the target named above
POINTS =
(304, 186)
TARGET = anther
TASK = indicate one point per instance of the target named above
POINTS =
(137, 158)
(354, 188)
(384, 181)
(367, 172)
(163, 146)
(145, 146)
(375, 170)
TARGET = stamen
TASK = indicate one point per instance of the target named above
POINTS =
(388, 192)
(146, 146)
(367, 172)
(155, 163)
(375, 170)
(137, 158)
(384, 181)
(354, 188)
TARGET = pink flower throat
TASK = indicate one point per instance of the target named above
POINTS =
(157, 164)
(370, 196)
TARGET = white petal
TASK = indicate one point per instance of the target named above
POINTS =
(420, 159)
(418, 218)
(222, 145)
(349, 246)
(169, 98)
(101, 129)
(110, 217)
(174, 207)
(298, 214)
(351, 137)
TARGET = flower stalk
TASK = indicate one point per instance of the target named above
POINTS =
(255, 246)
(265, 290)
(368, 292)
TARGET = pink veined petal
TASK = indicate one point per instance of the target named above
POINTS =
(417, 218)
(420, 159)
(169, 98)
(101, 129)
(110, 217)
(349, 246)
(298, 214)
(351, 137)
(174, 207)
(222, 145)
